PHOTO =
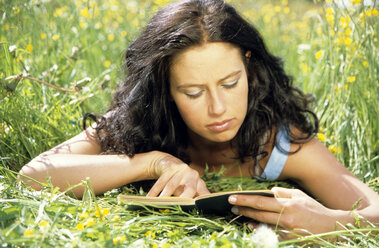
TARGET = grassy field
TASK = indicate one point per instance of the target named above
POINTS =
(61, 59)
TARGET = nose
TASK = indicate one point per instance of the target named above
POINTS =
(216, 105)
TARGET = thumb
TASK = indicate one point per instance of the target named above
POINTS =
(281, 192)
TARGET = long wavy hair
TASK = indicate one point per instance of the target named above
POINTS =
(142, 117)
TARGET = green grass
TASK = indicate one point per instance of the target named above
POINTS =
(66, 42)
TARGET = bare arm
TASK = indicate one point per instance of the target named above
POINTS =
(335, 188)
(79, 158)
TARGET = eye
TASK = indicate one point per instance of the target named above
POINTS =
(231, 84)
(194, 94)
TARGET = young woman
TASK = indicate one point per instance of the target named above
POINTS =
(201, 88)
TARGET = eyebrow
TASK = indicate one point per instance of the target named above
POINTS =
(220, 80)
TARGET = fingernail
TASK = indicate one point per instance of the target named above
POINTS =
(235, 210)
(232, 199)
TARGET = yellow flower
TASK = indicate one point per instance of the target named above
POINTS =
(151, 234)
(29, 48)
(84, 215)
(321, 137)
(319, 54)
(83, 24)
(346, 86)
(374, 12)
(155, 246)
(107, 63)
(16, 10)
(89, 222)
(365, 63)
(344, 21)
(80, 226)
(284, 2)
(6, 27)
(165, 211)
(43, 223)
(355, 2)
(351, 79)
(123, 33)
(84, 12)
(119, 239)
(110, 37)
(286, 10)
(28, 232)
(55, 37)
(334, 149)
(116, 218)
(43, 36)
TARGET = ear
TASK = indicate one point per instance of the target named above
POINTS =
(248, 54)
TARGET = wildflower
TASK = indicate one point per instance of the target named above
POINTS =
(277, 9)
(83, 215)
(110, 37)
(123, 33)
(6, 27)
(83, 24)
(16, 10)
(319, 54)
(119, 239)
(346, 86)
(55, 37)
(351, 79)
(29, 48)
(43, 36)
(365, 63)
(155, 246)
(334, 149)
(150, 234)
(28, 232)
(344, 21)
(284, 2)
(355, 2)
(328, 1)
(84, 12)
(80, 226)
(43, 223)
(89, 222)
(304, 67)
(321, 137)
(116, 218)
(286, 10)
(264, 237)
(165, 211)
(107, 63)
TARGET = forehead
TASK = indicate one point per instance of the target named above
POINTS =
(208, 62)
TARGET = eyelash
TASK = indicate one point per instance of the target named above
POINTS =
(226, 86)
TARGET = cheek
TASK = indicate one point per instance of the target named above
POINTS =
(188, 110)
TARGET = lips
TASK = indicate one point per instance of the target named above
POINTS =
(220, 126)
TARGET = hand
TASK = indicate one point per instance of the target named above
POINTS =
(176, 178)
(290, 209)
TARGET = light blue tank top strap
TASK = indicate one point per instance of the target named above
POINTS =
(278, 157)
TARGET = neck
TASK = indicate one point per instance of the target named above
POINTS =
(201, 144)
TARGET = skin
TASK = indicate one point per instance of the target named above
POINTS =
(208, 83)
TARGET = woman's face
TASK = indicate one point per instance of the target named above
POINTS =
(209, 86)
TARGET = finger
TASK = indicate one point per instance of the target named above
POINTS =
(280, 192)
(202, 188)
(188, 192)
(272, 218)
(159, 185)
(257, 202)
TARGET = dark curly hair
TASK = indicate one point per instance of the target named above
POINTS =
(142, 118)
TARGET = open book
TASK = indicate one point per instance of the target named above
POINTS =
(215, 203)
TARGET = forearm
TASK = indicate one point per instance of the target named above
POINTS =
(361, 217)
(104, 171)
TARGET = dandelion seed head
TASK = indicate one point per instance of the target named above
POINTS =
(264, 237)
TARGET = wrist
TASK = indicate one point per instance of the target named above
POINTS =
(344, 217)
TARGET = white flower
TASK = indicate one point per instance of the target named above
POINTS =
(264, 237)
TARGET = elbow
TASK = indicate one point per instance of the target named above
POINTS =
(31, 176)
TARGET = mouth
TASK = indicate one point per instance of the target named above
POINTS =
(220, 126)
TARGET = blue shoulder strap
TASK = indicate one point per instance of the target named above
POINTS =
(277, 158)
